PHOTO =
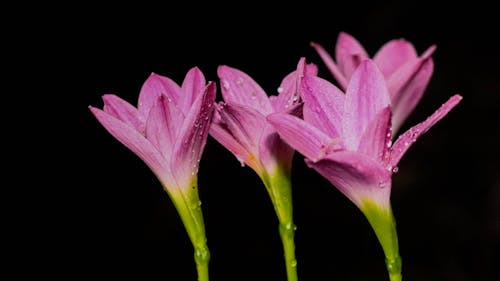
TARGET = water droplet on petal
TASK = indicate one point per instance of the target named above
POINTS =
(280, 90)
(239, 81)
(389, 144)
(225, 85)
(395, 169)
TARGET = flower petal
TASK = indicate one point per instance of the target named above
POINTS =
(245, 124)
(356, 176)
(393, 54)
(137, 143)
(323, 105)
(409, 137)
(239, 88)
(192, 136)
(288, 91)
(376, 140)
(366, 96)
(349, 54)
(123, 111)
(193, 85)
(153, 87)
(220, 132)
(162, 126)
(273, 150)
(302, 136)
(407, 95)
(330, 64)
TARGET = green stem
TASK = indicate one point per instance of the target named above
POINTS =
(287, 233)
(188, 206)
(279, 188)
(202, 257)
(383, 223)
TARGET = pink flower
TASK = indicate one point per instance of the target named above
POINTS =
(240, 125)
(407, 75)
(347, 139)
(168, 131)
(240, 122)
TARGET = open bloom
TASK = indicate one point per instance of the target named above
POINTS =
(240, 122)
(240, 125)
(407, 74)
(168, 131)
(347, 139)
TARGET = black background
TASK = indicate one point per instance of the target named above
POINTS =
(104, 213)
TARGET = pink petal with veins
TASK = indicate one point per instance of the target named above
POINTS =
(366, 96)
(356, 176)
(155, 86)
(193, 85)
(122, 110)
(349, 54)
(331, 65)
(192, 135)
(393, 54)
(375, 142)
(404, 141)
(323, 105)
(239, 88)
(137, 143)
(302, 136)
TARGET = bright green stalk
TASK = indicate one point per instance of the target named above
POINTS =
(188, 205)
(383, 223)
(278, 186)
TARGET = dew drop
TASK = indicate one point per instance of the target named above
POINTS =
(225, 85)
(239, 81)
(395, 169)
(293, 263)
(389, 144)
(196, 205)
(280, 90)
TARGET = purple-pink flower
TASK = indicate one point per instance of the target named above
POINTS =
(240, 122)
(407, 74)
(169, 127)
(168, 130)
(240, 125)
(347, 139)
